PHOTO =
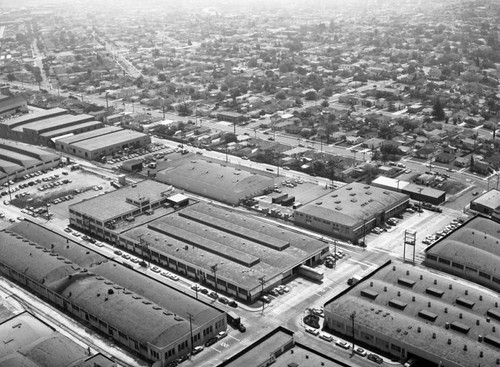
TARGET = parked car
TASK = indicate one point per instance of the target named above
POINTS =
(360, 351)
(221, 335)
(312, 331)
(213, 295)
(375, 358)
(342, 344)
(326, 337)
(197, 349)
(210, 342)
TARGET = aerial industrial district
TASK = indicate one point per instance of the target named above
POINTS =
(290, 185)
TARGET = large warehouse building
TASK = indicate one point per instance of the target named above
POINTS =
(351, 211)
(132, 309)
(197, 239)
(12, 104)
(18, 159)
(216, 180)
(471, 252)
(408, 311)
(42, 127)
(93, 145)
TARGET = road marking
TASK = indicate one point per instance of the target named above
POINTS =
(371, 265)
(378, 249)
(216, 350)
(234, 338)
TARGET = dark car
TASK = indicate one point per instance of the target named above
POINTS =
(375, 358)
(204, 291)
(210, 342)
(233, 304)
(213, 295)
(242, 328)
(223, 300)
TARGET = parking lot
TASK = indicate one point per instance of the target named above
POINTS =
(53, 191)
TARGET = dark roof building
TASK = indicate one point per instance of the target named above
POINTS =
(138, 312)
(408, 311)
(34, 343)
(351, 211)
(472, 252)
(18, 159)
(93, 145)
(215, 180)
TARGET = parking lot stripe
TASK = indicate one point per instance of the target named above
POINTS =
(234, 338)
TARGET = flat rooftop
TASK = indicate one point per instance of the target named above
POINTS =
(295, 355)
(27, 149)
(430, 311)
(353, 203)
(245, 248)
(114, 203)
(53, 122)
(474, 244)
(490, 199)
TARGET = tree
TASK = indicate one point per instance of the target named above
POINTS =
(437, 111)
(230, 138)
(280, 95)
(325, 103)
(311, 95)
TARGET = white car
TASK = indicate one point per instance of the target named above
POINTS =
(342, 344)
(360, 351)
(312, 331)
(326, 337)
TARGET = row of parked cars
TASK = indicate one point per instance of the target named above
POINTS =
(430, 239)
(344, 345)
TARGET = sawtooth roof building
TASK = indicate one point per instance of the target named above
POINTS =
(12, 104)
(471, 252)
(18, 159)
(95, 144)
(215, 180)
(136, 311)
(351, 211)
(43, 127)
(408, 311)
(32, 342)
(194, 239)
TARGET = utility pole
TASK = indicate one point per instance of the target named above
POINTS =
(262, 282)
(214, 269)
(335, 256)
(352, 317)
(191, 317)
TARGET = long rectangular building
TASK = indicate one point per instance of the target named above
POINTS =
(132, 309)
(93, 145)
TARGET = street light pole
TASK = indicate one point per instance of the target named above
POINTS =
(191, 317)
(214, 269)
(262, 281)
(353, 316)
